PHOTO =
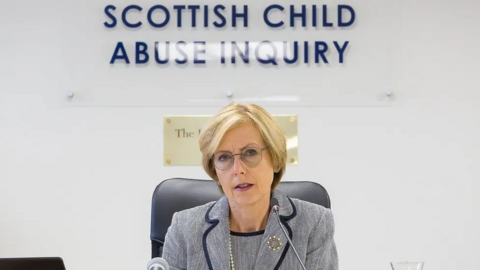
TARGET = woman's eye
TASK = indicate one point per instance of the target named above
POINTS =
(250, 152)
(224, 157)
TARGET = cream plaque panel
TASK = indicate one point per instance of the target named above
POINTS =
(181, 134)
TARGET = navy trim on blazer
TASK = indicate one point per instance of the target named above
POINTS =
(214, 223)
(284, 219)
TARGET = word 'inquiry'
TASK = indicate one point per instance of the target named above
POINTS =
(265, 52)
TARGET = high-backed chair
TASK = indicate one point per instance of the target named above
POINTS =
(177, 194)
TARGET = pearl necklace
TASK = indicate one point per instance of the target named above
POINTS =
(232, 264)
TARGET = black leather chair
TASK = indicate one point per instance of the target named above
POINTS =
(176, 194)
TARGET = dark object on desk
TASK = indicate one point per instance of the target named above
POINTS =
(31, 264)
(177, 194)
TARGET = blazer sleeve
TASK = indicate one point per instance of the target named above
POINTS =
(321, 249)
(174, 248)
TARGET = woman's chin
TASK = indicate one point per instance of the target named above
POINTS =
(245, 199)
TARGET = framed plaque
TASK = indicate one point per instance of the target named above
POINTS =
(181, 133)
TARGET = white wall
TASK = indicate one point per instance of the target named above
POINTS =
(76, 182)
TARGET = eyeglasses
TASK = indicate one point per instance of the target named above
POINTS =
(251, 156)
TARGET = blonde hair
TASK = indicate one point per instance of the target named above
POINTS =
(235, 115)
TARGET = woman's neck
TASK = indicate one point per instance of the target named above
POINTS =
(249, 218)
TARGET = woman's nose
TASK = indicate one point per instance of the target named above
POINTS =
(238, 166)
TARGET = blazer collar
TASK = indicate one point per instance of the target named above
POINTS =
(216, 236)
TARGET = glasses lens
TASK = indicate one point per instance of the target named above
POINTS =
(223, 160)
(252, 156)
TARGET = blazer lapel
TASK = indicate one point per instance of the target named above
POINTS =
(272, 259)
(215, 239)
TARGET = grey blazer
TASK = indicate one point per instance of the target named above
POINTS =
(198, 237)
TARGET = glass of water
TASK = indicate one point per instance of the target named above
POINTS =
(407, 265)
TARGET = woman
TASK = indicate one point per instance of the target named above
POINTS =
(244, 151)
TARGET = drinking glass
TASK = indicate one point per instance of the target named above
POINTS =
(407, 265)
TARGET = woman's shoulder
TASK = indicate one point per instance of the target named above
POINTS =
(189, 222)
(195, 213)
(309, 210)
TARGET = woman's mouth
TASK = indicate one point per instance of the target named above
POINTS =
(243, 187)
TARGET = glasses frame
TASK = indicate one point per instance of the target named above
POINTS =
(239, 154)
